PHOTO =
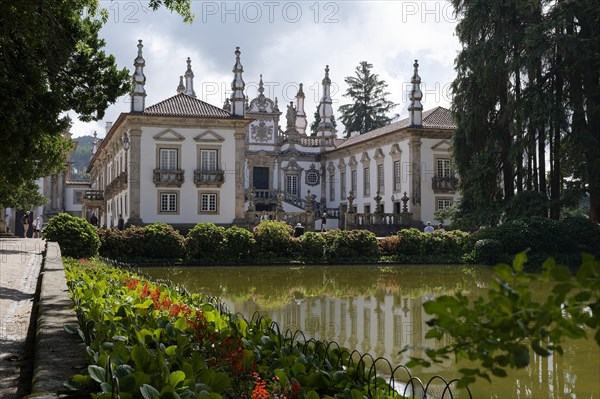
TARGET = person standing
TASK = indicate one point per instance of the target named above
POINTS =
(37, 227)
(25, 221)
(429, 228)
(298, 230)
(121, 223)
(441, 227)
(323, 221)
(94, 220)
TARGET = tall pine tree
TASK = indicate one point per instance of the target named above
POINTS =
(527, 90)
(369, 109)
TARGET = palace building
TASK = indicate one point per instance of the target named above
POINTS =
(183, 161)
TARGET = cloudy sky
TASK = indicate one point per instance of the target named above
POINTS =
(288, 42)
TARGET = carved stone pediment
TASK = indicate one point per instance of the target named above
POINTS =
(168, 135)
(365, 157)
(443, 145)
(209, 137)
(292, 165)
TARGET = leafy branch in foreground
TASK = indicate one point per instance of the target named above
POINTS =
(497, 331)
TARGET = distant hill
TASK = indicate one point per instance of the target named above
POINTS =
(81, 157)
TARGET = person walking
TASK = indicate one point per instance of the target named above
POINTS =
(323, 221)
(94, 220)
(121, 223)
(25, 221)
(441, 227)
(37, 227)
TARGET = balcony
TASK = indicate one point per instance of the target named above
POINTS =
(444, 183)
(93, 199)
(117, 185)
(212, 178)
(168, 177)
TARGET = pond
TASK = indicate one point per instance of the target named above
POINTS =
(378, 309)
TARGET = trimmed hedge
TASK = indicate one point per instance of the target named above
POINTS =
(205, 242)
(76, 237)
(350, 245)
(154, 241)
(274, 239)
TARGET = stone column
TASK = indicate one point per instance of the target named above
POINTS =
(133, 176)
(414, 159)
(240, 138)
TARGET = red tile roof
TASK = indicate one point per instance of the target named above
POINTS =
(436, 118)
(186, 106)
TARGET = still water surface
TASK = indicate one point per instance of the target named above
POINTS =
(379, 310)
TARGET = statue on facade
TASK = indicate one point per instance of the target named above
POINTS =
(251, 196)
(350, 199)
(377, 199)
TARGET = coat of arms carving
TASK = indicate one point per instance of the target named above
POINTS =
(262, 132)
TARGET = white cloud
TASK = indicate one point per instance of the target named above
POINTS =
(286, 47)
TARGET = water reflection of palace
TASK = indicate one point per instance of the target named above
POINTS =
(380, 325)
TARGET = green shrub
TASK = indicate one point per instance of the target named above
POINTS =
(350, 244)
(488, 251)
(539, 234)
(240, 244)
(584, 235)
(76, 237)
(274, 238)
(154, 241)
(206, 242)
(389, 245)
(412, 242)
(162, 241)
(312, 246)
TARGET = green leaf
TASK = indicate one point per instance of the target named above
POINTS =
(176, 378)
(97, 373)
(356, 394)
(149, 392)
(498, 372)
(519, 261)
(537, 348)
(71, 328)
(520, 355)
(314, 395)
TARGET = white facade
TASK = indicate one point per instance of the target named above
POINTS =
(183, 161)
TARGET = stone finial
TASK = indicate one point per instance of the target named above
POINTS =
(415, 109)
(237, 87)
(180, 87)
(189, 79)
(138, 94)
(325, 127)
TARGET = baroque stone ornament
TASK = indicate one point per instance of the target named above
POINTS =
(262, 132)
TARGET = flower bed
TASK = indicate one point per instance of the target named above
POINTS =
(153, 340)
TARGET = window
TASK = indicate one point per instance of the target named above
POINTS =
(397, 175)
(343, 186)
(367, 182)
(331, 187)
(380, 179)
(208, 160)
(443, 203)
(367, 208)
(443, 167)
(312, 178)
(208, 202)
(353, 182)
(291, 184)
(77, 196)
(168, 202)
(168, 159)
